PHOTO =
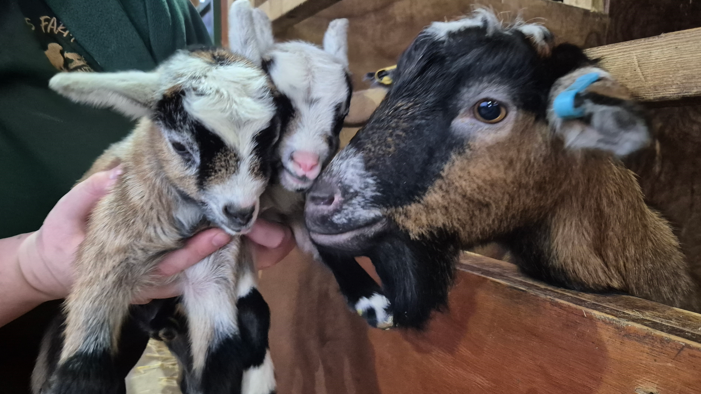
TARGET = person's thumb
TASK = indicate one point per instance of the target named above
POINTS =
(80, 201)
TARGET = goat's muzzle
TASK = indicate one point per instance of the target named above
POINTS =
(335, 221)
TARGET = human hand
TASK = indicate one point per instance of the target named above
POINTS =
(46, 256)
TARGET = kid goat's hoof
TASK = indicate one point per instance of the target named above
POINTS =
(376, 311)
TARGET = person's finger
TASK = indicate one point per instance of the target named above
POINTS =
(158, 292)
(267, 257)
(268, 234)
(80, 201)
(196, 249)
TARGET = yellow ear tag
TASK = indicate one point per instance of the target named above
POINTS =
(382, 76)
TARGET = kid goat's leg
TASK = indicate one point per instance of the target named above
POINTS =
(95, 312)
(228, 325)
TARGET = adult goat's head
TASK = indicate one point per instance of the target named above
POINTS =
(215, 116)
(464, 149)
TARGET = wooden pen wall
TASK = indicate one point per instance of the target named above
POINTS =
(318, 345)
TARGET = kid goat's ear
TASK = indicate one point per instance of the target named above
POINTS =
(591, 110)
(336, 40)
(242, 31)
(264, 30)
(133, 93)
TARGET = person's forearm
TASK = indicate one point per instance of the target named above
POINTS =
(17, 296)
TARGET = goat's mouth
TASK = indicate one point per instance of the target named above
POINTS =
(355, 240)
(293, 182)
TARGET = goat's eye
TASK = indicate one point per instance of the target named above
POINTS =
(489, 111)
(180, 149)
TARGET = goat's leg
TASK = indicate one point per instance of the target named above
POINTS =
(133, 341)
(228, 324)
(415, 275)
(361, 292)
(95, 313)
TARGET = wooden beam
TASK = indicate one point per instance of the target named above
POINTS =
(661, 68)
(591, 5)
(503, 333)
(506, 333)
(285, 13)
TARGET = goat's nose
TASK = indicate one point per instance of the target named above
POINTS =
(306, 164)
(238, 216)
(323, 195)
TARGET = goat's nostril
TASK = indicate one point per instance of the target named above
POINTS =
(238, 216)
(306, 161)
(321, 199)
(322, 194)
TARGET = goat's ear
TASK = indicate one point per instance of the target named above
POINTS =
(591, 110)
(336, 40)
(264, 30)
(133, 93)
(242, 31)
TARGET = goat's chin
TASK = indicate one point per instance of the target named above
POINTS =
(294, 183)
(355, 240)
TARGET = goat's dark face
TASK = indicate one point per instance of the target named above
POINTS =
(461, 145)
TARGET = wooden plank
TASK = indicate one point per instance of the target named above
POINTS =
(591, 5)
(504, 333)
(285, 13)
(662, 68)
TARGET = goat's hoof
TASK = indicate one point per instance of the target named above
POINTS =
(376, 310)
(85, 374)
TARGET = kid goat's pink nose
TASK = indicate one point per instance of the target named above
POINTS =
(306, 164)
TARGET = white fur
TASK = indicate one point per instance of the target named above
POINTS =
(378, 303)
(481, 18)
(260, 379)
(208, 302)
(132, 93)
(247, 282)
(264, 30)
(243, 38)
(315, 83)
(348, 167)
(485, 18)
(336, 40)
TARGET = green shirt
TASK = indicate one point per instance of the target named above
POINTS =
(48, 142)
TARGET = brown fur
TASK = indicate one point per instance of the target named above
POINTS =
(598, 229)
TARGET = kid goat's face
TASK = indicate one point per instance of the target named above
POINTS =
(219, 120)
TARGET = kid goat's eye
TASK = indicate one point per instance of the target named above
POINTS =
(489, 111)
(180, 149)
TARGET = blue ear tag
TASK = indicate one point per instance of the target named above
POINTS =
(564, 102)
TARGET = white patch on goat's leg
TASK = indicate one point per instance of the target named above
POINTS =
(210, 303)
(259, 379)
(378, 304)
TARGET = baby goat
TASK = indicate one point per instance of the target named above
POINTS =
(200, 156)
(466, 148)
(315, 90)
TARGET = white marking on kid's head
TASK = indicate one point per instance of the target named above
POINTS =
(480, 18)
(259, 379)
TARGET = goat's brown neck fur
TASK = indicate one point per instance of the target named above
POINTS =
(582, 213)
